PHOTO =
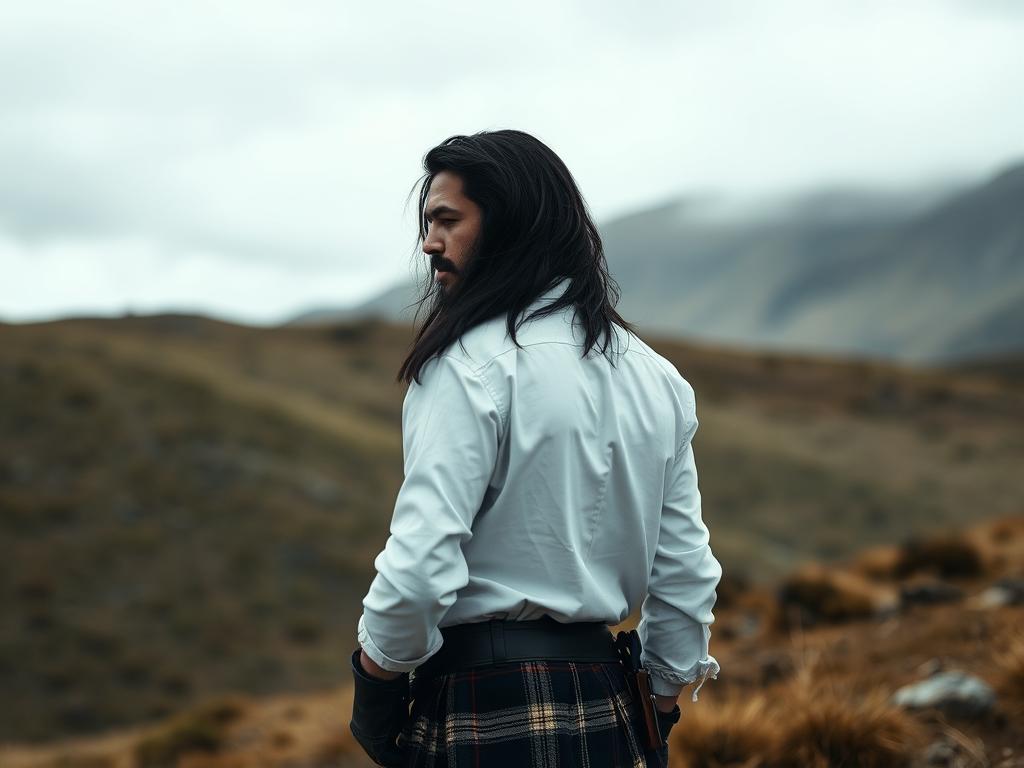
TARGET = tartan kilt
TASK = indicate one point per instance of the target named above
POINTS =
(540, 714)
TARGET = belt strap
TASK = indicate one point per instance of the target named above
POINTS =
(501, 641)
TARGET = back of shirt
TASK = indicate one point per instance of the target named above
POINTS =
(541, 482)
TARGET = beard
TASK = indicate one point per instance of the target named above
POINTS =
(442, 297)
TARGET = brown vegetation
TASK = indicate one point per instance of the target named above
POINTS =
(823, 728)
(814, 695)
(202, 729)
(816, 594)
(192, 507)
(1009, 655)
(947, 556)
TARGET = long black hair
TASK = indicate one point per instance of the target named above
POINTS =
(535, 230)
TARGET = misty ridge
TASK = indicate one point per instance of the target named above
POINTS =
(922, 276)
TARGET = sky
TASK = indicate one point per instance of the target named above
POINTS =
(252, 160)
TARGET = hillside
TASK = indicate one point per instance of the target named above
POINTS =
(815, 673)
(190, 507)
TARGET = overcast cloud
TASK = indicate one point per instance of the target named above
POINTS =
(251, 159)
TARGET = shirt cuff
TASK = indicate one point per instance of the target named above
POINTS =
(384, 661)
(662, 687)
(667, 682)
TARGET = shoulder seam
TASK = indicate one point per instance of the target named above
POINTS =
(476, 372)
(691, 415)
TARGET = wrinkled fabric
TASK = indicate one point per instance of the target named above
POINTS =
(541, 482)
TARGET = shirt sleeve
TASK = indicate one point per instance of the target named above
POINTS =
(676, 615)
(450, 433)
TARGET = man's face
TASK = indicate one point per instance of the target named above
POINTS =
(453, 224)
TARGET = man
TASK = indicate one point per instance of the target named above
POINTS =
(550, 490)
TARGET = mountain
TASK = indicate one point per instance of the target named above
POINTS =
(916, 277)
(392, 304)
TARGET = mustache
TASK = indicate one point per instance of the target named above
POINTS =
(441, 265)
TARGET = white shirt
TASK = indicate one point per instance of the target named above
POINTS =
(538, 482)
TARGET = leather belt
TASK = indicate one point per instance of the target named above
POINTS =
(501, 641)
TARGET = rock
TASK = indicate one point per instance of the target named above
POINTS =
(815, 595)
(1013, 589)
(993, 597)
(1007, 591)
(931, 667)
(940, 753)
(929, 593)
(950, 754)
(956, 693)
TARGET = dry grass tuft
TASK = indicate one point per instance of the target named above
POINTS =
(877, 563)
(1003, 531)
(732, 732)
(802, 724)
(1010, 662)
(201, 729)
(815, 594)
(823, 728)
(337, 749)
(948, 556)
(82, 761)
(218, 760)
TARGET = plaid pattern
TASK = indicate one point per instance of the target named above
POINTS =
(538, 714)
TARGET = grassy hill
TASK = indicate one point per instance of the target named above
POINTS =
(189, 507)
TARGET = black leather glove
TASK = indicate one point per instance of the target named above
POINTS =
(665, 722)
(667, 719)
(380, 709)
